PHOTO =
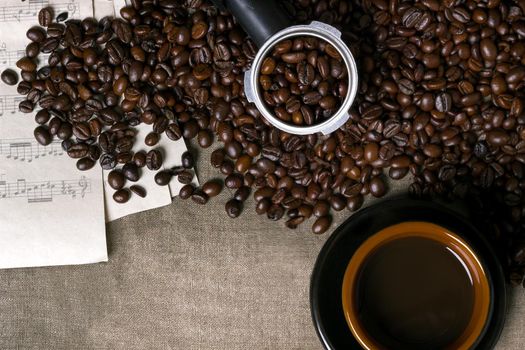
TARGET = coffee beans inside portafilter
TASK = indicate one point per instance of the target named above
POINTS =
(304, 80)
(440, 99)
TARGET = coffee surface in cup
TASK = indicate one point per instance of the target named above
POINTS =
(414, 293)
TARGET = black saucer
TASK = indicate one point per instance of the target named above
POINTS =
(329, 269)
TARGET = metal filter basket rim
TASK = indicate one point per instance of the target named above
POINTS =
(322, 31)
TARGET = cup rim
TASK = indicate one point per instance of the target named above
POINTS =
(482, 294)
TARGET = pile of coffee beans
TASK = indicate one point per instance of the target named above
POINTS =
(304, 80)
(440, 99)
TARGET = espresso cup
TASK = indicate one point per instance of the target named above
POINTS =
(416, 285)
(408, 274)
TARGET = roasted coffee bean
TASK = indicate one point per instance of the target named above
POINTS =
(152, 139)
(199, 197)
(84, 164)
(131, 172)
(139, 158)
(9, 77)
(36, 34)
(187, 160)
(154, 159)
(321, 225)
(185, 177)
(45, 16)
(186, 191)
(138, 190)
(107, 161)
(62, 17)
(116, 179)
(121, 196)
(242, 193)
(163, 178)
(212, 188)
(233, 208)
(42, 135)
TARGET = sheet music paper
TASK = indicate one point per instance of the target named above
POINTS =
(50, 213)
(103, 8)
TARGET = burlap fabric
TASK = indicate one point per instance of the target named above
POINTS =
(182, 277)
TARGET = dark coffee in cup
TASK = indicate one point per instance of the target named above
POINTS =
(415, 286)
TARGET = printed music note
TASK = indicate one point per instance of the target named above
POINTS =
(45, 191)
(28, 150)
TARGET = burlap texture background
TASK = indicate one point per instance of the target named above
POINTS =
(182, 277)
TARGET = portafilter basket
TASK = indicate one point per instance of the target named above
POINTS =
(319, 30)
(267, 25)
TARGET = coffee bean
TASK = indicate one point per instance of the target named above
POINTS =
(321, 225)
(36, 34)
(62, 17)
(154, 159)
(199, 197)
(138, 190)
(42, 135)
(121, 196)
(152, 139)
(107, 161)
(185, 177)
(186, 191)
(84, 164)
(131, 172)
(377, 187)
(163, 178)
(116, 179)
(45, 16)
(233, 208)
(212, 188)
(26, 64)
(187, 160)
(9, 77)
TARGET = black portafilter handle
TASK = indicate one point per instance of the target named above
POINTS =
(259, 18)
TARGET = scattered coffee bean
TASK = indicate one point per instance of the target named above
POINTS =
(121, 196)
(45, 16)
(163, 178)
(62, 17)
(154, 159)
(187, 160)
(116, 179)
(233, 208)
(199, 197)
(211, 188)
(321, 225)
(131, 172)
(185, 177)
(42, 135)
(9, 77)
(138, 190)
(186, 191)
(84, 164)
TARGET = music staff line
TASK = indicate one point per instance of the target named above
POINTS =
(9, 103)
(29, 10)
(44, 191)
(28, 150)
